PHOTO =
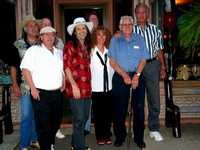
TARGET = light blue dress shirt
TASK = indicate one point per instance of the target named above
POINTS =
(128, 53)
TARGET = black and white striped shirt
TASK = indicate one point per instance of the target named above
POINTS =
(153, 38)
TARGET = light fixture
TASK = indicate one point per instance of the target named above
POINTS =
(182, 2)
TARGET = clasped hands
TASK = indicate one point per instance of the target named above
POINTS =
(133, 82)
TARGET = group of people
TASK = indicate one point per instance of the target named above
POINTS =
(94, 70)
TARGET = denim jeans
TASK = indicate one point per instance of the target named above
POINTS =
(89, 121)
(80, 111)
(27, 127)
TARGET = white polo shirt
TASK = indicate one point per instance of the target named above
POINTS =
(46, 67)
(97, 71)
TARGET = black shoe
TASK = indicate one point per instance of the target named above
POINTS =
(118, 143)
(141, 145)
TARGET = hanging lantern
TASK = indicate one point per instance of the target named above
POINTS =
(169, 20)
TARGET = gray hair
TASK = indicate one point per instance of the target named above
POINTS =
(130, 18)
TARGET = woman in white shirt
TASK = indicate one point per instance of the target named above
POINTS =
(101, 73)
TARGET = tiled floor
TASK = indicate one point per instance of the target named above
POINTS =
(190, 140)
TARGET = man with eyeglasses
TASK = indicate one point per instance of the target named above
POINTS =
(128, 54)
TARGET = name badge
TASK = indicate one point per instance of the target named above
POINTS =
(136, 47)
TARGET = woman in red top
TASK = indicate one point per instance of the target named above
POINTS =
(78, 83)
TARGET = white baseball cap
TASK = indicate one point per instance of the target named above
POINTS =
(47, 29)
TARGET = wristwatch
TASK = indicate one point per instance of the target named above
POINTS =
(138, 74)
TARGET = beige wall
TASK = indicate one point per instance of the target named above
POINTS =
(23, 8)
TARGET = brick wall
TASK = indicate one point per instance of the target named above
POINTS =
(186, 95)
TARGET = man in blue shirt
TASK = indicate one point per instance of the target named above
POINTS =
(128, 54)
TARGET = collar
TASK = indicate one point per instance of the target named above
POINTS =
(97, 50)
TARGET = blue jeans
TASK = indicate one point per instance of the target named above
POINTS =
(88, 123)
(80, 112)
(27, 128)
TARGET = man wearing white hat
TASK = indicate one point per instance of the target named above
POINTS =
(42, 67)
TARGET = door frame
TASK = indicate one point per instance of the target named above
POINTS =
(60, 5)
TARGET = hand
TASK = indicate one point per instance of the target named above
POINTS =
(63, 87)
(135, 81)
(35, 94)
(163, 73)
(127, 79)
(16, 90)
(76, 91)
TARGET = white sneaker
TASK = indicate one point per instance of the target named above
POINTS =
(24, 148)
(59, 134)
(35, 144)
(52, 147)
(156, 135)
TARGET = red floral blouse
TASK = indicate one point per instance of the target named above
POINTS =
(78, 61)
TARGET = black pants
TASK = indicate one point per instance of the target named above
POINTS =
(121, 93)
(48, 115)
(101, 105)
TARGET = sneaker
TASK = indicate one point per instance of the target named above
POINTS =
(25, 149)
(87, 148)
(156, 135)
(60, 135)
(35, 144)
(52, 147)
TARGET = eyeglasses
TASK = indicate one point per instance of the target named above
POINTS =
(128, 24)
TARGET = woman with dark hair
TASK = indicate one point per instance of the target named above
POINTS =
(78, 77)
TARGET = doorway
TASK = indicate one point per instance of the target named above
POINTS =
(71, 14)
(66, 10)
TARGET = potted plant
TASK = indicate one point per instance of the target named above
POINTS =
(189, 33)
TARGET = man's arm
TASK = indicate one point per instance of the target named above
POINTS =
(120, 71)
(27, 75)
(140, 67)
(162, 64)
(15, 86)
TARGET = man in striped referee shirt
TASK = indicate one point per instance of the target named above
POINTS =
(155, 67)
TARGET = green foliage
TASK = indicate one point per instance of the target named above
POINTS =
(189, 31)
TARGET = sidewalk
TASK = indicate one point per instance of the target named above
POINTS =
(190, 141)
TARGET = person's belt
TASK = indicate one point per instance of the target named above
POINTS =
(52, 90)
(150, 60)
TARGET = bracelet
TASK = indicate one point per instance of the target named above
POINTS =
(138, 74)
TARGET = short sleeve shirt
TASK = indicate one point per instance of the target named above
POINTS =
(46, 67)
(78, 61)
(128, 53)
(152, 36)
